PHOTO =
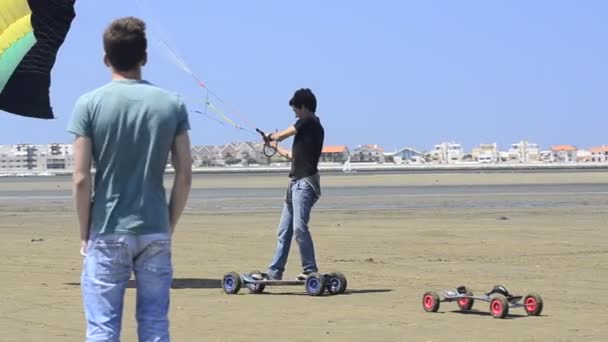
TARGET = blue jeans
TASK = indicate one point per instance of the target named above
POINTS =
(294, 219)
(107, 268)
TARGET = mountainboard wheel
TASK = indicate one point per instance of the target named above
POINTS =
(256, 288)
(231, 283)
(466, 304)
(315, 284)
(430, 301)
(499, 306)
(533, 303)
(336, 283)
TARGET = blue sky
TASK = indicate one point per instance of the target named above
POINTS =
(395, 73)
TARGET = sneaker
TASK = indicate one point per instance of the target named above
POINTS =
(264, 276)
(259, 276)
(304, 275)
(270, 276)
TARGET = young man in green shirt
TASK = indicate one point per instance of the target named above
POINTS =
(128, 127)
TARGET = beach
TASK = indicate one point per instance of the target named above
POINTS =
(393, 235)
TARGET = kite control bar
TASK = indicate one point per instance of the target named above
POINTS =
(268, 150)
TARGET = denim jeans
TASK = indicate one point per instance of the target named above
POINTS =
(294, 220)
(107, 268)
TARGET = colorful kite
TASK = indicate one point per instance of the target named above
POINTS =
(31, 33)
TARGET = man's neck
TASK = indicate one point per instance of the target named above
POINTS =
(134, 74)
(307, 115)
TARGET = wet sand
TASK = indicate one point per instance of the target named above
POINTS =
(390, 255)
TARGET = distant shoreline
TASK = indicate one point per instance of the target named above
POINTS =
(370, 168)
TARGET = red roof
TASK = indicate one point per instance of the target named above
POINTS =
(565, 148)
(334, 149)
(599, 149)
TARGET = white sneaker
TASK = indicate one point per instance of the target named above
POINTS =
(304, 275)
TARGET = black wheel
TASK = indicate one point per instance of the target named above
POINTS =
(315, 284)
(499, 306)
(336, 283)
(533, 303)
(430, 301)
(466, 304)
(231, 283)
(256, 288)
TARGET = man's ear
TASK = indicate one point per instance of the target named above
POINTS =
(106, 61)
(144, 59)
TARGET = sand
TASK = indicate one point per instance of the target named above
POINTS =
(391, 257)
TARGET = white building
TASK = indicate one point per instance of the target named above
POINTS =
(486, 153)
(524, 152)
(583, 155)
(36, 157)
(563, 154)
(447, 152)
(599, 154)
(407, 155)
(59, 157)
(368, 153)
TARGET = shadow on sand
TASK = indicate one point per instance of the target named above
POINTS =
(181, 283)
(303, 293)
(486, 313)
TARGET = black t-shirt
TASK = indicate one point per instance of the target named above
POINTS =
(307, 146)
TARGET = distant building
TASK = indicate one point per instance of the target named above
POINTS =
(524, 152)
(249, 152)
(583, 156)
(546, 156)
(407, 155)
(335, 154)
(229, 151)
(486, 153)
(447, 152)
(59, 157)
(563, 154)
(242, 152)
(368, 153)
(599, 154)
(207, 155)
(24, 157)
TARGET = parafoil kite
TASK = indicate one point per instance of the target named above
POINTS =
(31, 33)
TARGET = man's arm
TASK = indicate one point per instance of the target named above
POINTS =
(281, 151)
(280, 136)
(81, 179)
(284, 134)
(182, 163)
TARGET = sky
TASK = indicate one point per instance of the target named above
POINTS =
(390, 72)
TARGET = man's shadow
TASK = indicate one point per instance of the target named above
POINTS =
(181, 283)
(485, 313)
(303, 293)
(205, 283)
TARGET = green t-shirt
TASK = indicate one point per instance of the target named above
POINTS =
(132, 125)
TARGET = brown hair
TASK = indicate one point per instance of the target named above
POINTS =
(125, 43)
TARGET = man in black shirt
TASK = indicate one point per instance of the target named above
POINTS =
(304, 187)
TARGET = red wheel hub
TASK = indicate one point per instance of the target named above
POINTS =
(496, 307)
(530, 304)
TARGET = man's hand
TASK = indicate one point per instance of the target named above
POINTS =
(83, 248)
(268, 138)
(282, 135)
